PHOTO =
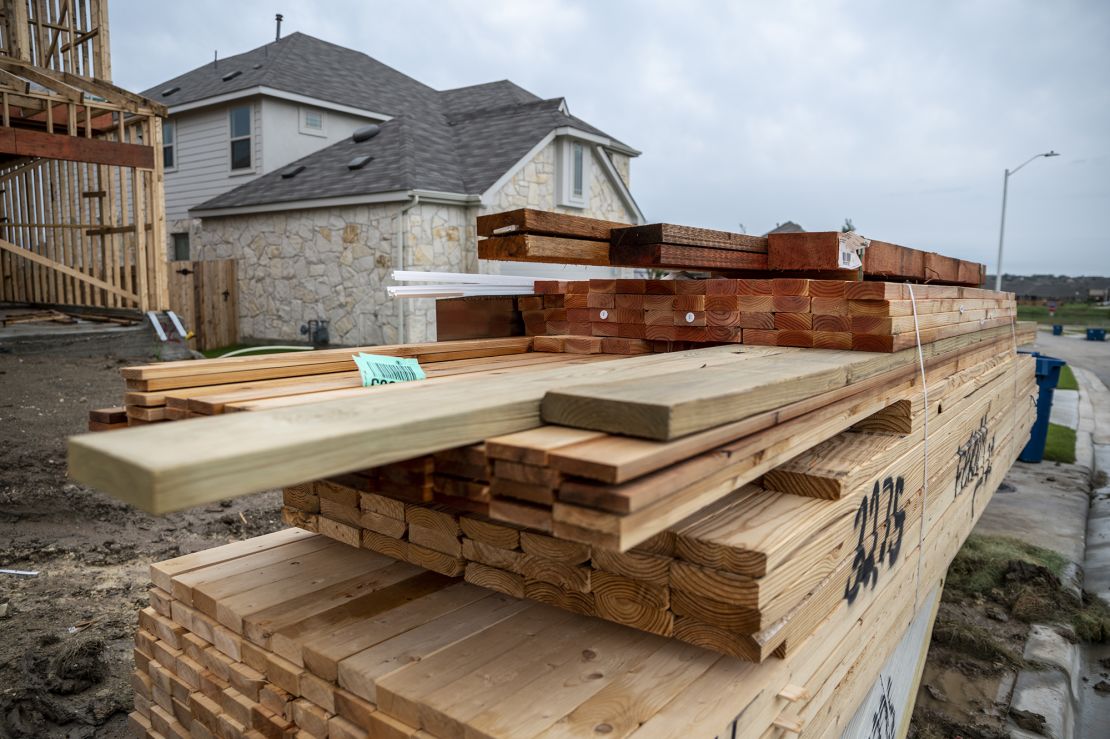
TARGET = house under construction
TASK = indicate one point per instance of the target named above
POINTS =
(81, 204)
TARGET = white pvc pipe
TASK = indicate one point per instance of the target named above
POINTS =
(476, 289)
(462, 277)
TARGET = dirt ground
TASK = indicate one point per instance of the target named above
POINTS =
(995, 589)
(65, 634)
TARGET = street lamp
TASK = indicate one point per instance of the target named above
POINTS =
(1002, 227)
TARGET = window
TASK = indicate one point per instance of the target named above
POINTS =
(240, 118)
(577, 164)
(169, 150)
(574, 174)
(312, 122)
(180, 247)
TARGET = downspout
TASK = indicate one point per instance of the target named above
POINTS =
(401, 264)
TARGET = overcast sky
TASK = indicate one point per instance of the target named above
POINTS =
(901, 116)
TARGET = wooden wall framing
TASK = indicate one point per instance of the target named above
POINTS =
(82, 210)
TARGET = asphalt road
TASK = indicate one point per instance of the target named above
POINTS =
(1076, 350)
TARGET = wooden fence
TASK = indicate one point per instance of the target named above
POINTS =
(205, 295)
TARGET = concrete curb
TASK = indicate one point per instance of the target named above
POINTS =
(1085, 432)
(1045, 702)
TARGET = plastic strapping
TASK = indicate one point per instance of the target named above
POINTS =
(924, 449)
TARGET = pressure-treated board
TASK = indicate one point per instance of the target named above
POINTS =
(544, 249)
(530, 221)
(678, 257)
(881, 260)
(671, 234)
(671, 405)
(163, 471)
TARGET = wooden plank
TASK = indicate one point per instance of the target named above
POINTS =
(531, 221)
(191, 368)
(544, 249)
(188, 467)
(535, 445)
(674, 405)
(672, 256)
(63, 269)
(715, 476)
(656, 407)
(28, 143)
(668, 233)
(881, 260)
(162, 573)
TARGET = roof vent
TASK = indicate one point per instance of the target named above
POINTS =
(366, 133)
(292, 172)
(359, 162)
(169, 91)
(257, 66)
(231, 75)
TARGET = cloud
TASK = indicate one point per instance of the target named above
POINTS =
(899, 115)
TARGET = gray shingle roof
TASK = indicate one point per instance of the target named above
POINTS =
(458, 141)
(786, 228)
(305, 65)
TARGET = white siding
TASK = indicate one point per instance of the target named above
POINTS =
(203, 153)
(203, 158)
(284, 141)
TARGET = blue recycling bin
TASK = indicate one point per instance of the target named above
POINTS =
(1048, 374)
(1057, 329)
(1096, 334)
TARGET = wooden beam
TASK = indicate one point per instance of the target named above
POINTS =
(542, 222)
(668, 233)
(23, 142)
(39, 259)
(51, 82)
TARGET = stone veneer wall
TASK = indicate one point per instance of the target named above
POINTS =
(323, 263)
(534, 186)
(334, 263)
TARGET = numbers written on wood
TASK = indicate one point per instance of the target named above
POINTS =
(880, 526)
(884, 719)
(974, 461)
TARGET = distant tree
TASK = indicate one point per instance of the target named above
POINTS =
(848, 226)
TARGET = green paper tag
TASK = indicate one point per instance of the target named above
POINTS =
(376, 369)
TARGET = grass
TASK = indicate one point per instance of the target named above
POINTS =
(1067, 379)
(983, 562)
(213, 353)
(1025, 579)
(1060, 444)
(1068, 314)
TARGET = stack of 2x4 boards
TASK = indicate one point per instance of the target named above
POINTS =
(574, 534)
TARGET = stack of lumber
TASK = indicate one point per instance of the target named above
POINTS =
(625, 524)
(710, 396)
(729, 575)
(827, 314)
(540, 236)
(189, 388)
(662, 532)
(293, 632)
